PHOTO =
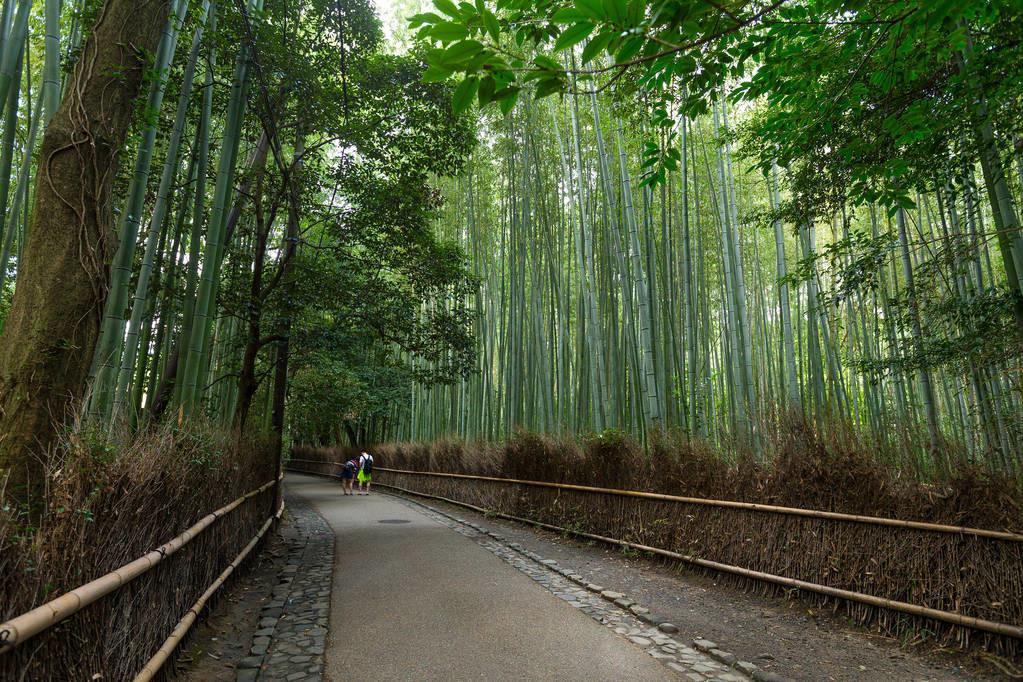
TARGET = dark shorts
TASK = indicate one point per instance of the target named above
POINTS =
(347, 474)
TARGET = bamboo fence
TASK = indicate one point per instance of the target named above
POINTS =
(966, 578)
(730, 504)
(21, 628)
(165, 651)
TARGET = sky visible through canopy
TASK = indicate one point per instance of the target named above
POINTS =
(394, 17)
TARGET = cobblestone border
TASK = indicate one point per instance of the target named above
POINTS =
(290, 643)
(701, 661)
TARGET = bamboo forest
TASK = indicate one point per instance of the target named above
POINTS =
(707, 239)
(760, 251)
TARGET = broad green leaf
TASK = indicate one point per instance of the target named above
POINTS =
(464, 93)
(549, 86)
(490, 21)
(506, 98)
(684, 65)
(448, 8)
(418, 20)
(592, 8)
(594, 47)
(436, 74)
(502, 78)
(616, 10)
(573, 35)
(635, 13)
(476, 63)
(485, 93)
(446, 31)
(462, 51)
(568, 15)
(547, 63)
(629, 49)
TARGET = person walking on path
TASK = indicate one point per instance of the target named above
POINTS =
(348, 476)
(365, 472)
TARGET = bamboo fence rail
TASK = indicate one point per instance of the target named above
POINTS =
(154, 664)
(1005, 629)
(749, 506)
(27, 625)
(903, 607)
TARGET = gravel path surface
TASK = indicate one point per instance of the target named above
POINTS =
(607, 607)
(425, 590)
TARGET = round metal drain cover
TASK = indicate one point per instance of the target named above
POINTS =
(394, 521)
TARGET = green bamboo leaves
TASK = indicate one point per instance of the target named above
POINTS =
(573, 35)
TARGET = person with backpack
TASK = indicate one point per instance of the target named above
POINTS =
(348, 470)
(365, 472)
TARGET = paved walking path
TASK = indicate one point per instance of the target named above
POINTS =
(413, 600)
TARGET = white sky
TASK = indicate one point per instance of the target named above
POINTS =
(393, 14)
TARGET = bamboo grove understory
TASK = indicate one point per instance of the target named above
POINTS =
(764, 251)
(254, 215)
(595, 310)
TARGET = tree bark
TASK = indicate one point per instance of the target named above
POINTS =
(49, 339)
(290, 246)
(247, 382)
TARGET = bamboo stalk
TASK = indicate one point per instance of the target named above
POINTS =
(156, 225)
(107, 360)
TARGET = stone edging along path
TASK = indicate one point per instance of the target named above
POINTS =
(703, 660)
(290, 643)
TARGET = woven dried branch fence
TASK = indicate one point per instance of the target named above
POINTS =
(975, 573)
(127, 623)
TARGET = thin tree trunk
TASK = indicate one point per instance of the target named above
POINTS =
(290, 246)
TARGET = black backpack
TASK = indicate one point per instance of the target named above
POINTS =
(367, 466)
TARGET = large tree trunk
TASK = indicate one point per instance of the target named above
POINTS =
(55, 317)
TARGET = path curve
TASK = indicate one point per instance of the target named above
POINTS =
(413, 600)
